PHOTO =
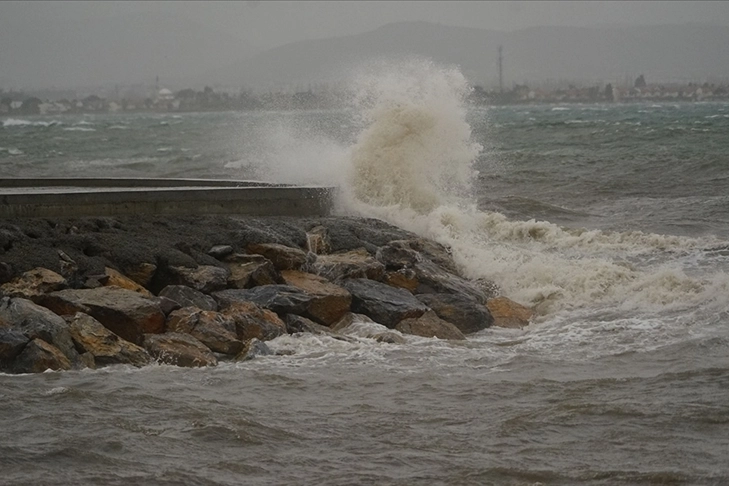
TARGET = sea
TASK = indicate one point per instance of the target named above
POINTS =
(610, 220)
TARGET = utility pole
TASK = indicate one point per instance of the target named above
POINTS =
(501, 70)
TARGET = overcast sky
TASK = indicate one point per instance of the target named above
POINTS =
(265, 24)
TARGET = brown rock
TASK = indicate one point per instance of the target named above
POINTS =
(317, 240)
(465, 313)
(141, 273)
(116, 279)
(404, 278)
(39, 356)
(352, 264)
(205, 278)
(179, 349)
(252, 349)
(508, 313)
(430, 325)
(34, 282)
(248, 271)
(105, 346)
(213, 329)
(384, 304)
(329, 303)
(252, 321)
(126, 313)
(282, 299)
(188, 297)
(283, 257)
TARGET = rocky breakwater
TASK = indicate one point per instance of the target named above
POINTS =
(89, 292)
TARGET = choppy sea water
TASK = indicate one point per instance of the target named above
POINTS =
(611, 220)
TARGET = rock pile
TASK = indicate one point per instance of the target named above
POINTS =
(97, 291)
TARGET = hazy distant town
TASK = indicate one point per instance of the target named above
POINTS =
(324, 96)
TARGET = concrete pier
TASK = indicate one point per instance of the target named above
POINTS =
(64, 197)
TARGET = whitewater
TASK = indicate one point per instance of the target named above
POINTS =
(609, 220)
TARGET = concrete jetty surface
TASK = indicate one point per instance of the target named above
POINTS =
(70, 197)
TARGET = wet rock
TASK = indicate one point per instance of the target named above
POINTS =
(348, 319)
(168, 305)
(124, 312)
(384, 304)
(388, 338)
(432, 279)
(489, 288)
(117, 279)
(281, 299)
(106, 347)
(179, 349)
(329, 301)
(34, 282)
(205, 278)
(189, 297)
(404, 278)
(142, 273)
(507, 313)
(282, 257)
(429, 325)
(252, 321)
(248, 271)
(296, 324)
(347, 234)
(352, 264)
(252, 349)
(215, 330)
(34, 321)
(466, 314)
(317, 241)
(12, 343)
(397, 254)
(220, 251)
(39, 356)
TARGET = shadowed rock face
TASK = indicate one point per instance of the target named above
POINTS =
(252, 321)
(39, 356)
(179, 349)
(384, 304)
(282, 299)
(105, 346)
(214, 330)
(465, 313)
(189, 297)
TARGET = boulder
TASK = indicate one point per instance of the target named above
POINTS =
(105, 346)
(215, 330)
(39, 356)
(126, 313)
(248, 271)
(189, 297)
(12, 343)
(205, 278)
(169, 305)
(352, 264)
(329, 301)
(220, 251)
(252, 321)
(34, 282)
(317, 240)
(349, 233)
(117, 279)
(252, 349)
(433, 279)
(179, 349)
(397, 254)
(36, 322)
(507, 313)
(429, 325)
(296, 324)
(384, 304)
(404, 278)
(142, 273)
(465, 313)
(282, 257)
(282, 299)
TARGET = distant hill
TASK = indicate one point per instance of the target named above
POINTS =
(535, 54)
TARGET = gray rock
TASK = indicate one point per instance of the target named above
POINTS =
(205, 278)
(39, 356)
(465, 313)
(220, 251)
(296, 324)
(106, 347)
(352, 264)
(189, 297)
(433, 279)
(213, 329)
(12, 343)
(253, 349)
(282, 257)
(384, 304)
(281, 299)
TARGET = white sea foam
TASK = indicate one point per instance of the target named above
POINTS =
(15, 122)
(79, 129)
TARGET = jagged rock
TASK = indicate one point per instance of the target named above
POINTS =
(465, 313)
(105, 346)
(248, 271)
(189, 297)
(433, 279)
(220, 251)
(317, 241)
(252, 349)
(88, 360)
(329, 301)
(386, 305)
(68, 266)
(179, 349)
(124, 312)
(117, 279)
(34, 282)
(205, 278)
(282, 257)
(435, 252)
(34, 321)
(252, 321)
(141, 273)
(215, 330)
(39, 356)
(282, 299)
(507, 313)
(430, 325)
(296, 324)
(352, 264)
(347, 233)
(397, 254)
(96, 281)
(12, 343)
(404, 278)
